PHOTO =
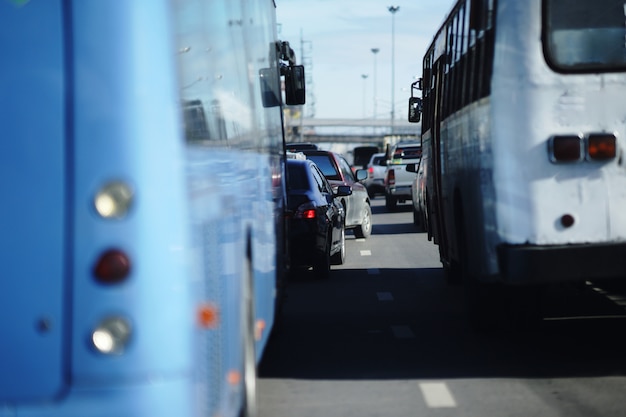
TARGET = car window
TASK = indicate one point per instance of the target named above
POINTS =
(319, 182)
(328, 189)
(325, 164)
(297, 178)
(400, 154)
(378, 160)
(345, 169)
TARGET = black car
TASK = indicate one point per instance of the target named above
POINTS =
(316, 233)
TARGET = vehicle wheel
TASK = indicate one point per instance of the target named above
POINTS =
(340, 257)
(365, 228)
(321, 268)
(390, 202)
(249, 406)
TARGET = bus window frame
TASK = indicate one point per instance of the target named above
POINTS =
(548, 54)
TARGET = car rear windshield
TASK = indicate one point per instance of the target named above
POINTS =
(585, 35)
(400, 155)
(325, 164)
(297, 178)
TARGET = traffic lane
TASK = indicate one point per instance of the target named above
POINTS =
(401, 323)
(383, 339)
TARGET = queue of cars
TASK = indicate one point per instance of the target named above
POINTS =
(327, 196)
(324, 198)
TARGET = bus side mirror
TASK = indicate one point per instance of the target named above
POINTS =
(295, 90)
(415, 109)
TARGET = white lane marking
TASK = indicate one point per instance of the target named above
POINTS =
(359, 240)
(373, 271)
(384, 296)
(366, 253)
(437, 395)
(402, 332)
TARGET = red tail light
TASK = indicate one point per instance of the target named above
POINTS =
(112, 267)
(566, 148)
(601, 146)
(391, 177)
(370, 172)
(306, 211)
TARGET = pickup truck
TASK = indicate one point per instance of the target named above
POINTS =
(399, 181)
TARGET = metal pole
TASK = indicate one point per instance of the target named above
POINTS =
(393, 10)
(375, 51)
(364, 76)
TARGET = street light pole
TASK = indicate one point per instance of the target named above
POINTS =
(393, 10)
(364, 76)
(375, 51)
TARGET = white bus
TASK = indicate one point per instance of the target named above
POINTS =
(523, 126)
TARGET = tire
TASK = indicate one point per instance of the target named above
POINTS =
(249, 405)
(363, 230)
(321, 267)
(340, 257)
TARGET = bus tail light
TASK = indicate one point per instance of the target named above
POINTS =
(111, 335)
(601, 146)
(113, 200)
(565, 148)
(112, 267)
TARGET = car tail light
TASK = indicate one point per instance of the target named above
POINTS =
(112, 267)
(565, 148)
(370, 172)
(391, 177)
(306, 211)
(601, 146)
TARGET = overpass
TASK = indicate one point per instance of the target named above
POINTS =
(375, 131)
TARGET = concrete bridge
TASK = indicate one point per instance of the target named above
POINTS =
(374, 131)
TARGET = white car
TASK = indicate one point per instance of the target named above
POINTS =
(375, 182)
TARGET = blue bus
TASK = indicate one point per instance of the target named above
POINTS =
(142, 233)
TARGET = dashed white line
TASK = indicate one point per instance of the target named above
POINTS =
(437, 395)
(384, 296)
(366, 253)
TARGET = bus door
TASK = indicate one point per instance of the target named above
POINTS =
(33, 175)
(437, 208)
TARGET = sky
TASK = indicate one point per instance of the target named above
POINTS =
(336, 38)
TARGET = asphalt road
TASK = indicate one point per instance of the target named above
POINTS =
(385, 336)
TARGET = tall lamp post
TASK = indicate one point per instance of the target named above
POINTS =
(375, 51)
(393, 10)
(364, 76)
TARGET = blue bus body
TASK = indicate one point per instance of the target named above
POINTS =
(164, 98)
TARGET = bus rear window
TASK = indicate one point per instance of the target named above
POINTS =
(585, 35)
